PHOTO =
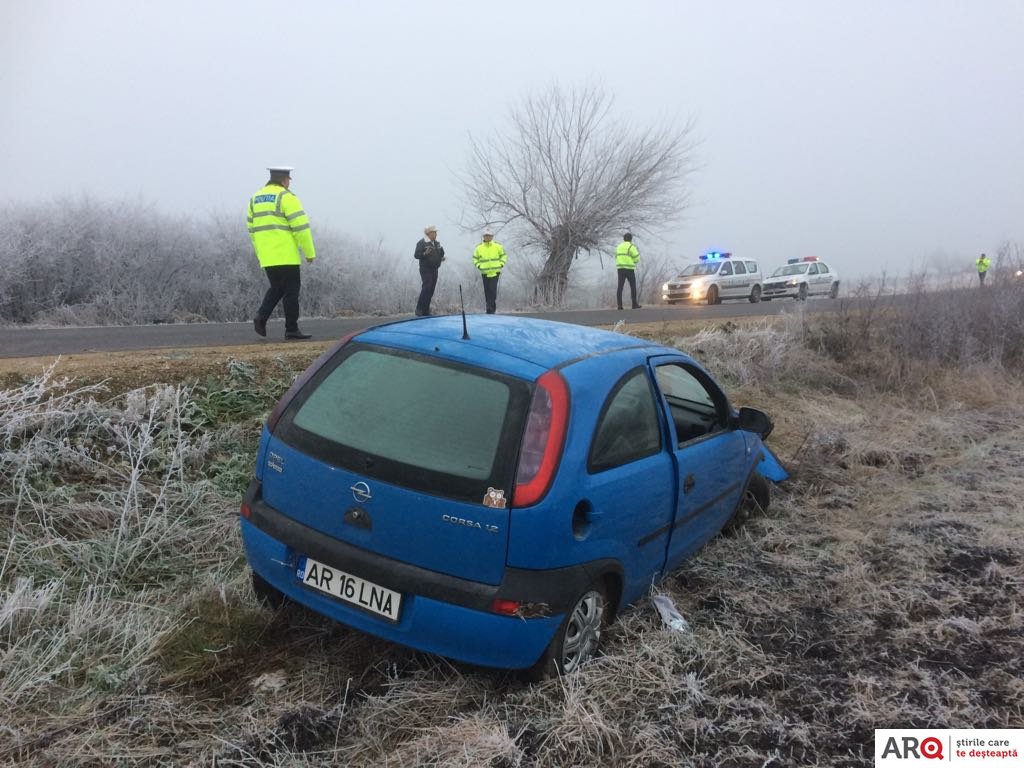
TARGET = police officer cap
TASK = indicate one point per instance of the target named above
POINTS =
(488, 232)
(281, 169)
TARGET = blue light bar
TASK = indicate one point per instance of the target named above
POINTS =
(714, 256)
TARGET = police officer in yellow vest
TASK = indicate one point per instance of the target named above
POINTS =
(626, 257)
(983, 263)
(279, 228)
(489, 258)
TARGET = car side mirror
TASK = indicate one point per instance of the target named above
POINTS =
(754, 420)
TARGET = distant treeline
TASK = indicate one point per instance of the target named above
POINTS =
(87, 262)
(83, 261)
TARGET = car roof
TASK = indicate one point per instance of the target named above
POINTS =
(545, 344)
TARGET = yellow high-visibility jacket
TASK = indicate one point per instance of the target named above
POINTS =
(983, 264)
(279, 227)
(626, 255)
(489, 258)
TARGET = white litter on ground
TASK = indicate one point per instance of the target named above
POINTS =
(669, 614)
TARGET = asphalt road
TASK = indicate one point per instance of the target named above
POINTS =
(37, 342)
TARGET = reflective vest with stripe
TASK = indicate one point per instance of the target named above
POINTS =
(983, 265)
(489, 258)
(626, 255)
(279, 227)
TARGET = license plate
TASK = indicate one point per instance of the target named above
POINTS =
(352, 589)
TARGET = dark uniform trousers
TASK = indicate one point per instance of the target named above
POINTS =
(285, 282)
(429, 277)
(491, 293)
(624, 276)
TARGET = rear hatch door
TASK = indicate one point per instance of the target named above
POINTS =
(404, 455)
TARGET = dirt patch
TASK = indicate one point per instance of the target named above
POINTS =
(122, 371)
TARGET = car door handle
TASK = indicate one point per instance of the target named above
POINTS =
(688, 483)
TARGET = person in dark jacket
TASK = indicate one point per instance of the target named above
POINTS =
(429, 254)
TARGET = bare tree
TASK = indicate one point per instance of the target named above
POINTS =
(566, 176)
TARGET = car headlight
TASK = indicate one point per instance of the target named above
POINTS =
(792, 283)
(664, 287)
(696, 285)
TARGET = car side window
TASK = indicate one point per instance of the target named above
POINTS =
(725, 270)
(628, 427)
(698, 408)
(740, 267)
(822, 268)
(813, 269)
(751, 267)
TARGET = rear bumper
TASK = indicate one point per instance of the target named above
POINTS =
(440, 614)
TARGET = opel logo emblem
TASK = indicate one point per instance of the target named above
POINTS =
(361, 492)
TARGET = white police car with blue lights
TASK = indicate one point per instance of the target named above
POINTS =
(800, 278)
(714, 277)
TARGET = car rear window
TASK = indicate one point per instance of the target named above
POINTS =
(411, 419)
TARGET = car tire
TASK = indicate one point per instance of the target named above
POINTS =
(713, 295)
(267, 594)
(833, 292)
(801, 295)
(755, 499)
(755, 294)
(578, 637)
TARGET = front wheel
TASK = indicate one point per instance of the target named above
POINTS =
(712, 295)
(755, 294)
(755, 500)
(833, 292)
(802, 293)
(578, 638)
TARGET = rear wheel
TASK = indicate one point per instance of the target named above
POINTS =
(713, 295)
(802, 293)
(267, 594)
(833, 292)
(578, 638)
(755, 294)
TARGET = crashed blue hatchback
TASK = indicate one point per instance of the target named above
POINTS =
(496, 496)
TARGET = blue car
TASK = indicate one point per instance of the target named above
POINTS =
(494, 496)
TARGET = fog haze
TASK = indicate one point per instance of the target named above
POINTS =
(878, 135)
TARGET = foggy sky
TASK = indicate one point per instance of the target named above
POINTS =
(877, 135)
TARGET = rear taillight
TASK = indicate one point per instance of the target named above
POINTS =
(246, 510)
(543, 439)
(300, 382)
(505, 607)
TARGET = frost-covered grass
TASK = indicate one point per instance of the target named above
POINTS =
(882, 588)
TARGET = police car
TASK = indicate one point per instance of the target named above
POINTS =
(801, 278)
(716, 276)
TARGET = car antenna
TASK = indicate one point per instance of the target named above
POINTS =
(465, 331)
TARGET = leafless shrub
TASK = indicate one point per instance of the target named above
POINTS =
(900, 344)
